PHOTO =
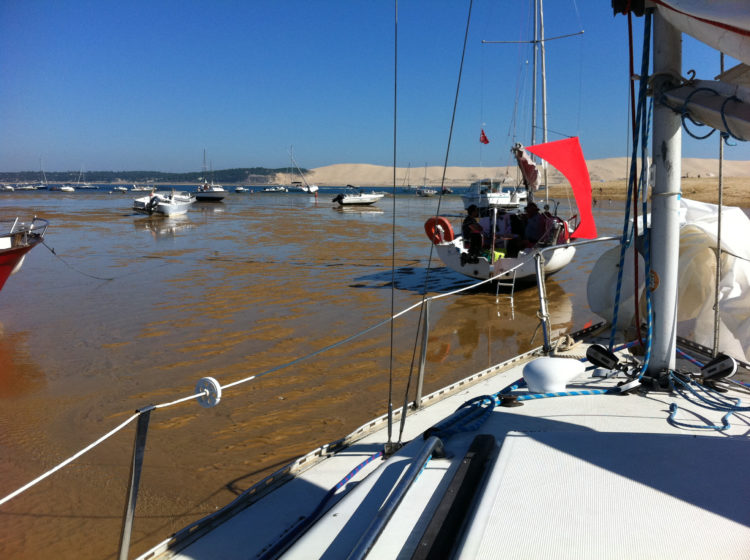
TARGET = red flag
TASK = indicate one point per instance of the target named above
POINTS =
(483, 138)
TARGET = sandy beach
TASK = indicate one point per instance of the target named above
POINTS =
(608, 177)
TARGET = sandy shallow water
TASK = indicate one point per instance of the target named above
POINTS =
(134, 310)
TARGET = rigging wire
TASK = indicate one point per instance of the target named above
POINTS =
(393, 226)
(718, 232)
(643, 162)
(437, 213)
(627, 233)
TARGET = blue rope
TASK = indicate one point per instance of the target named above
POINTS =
(535, 396)
(690, 358)
(724, 119)
(713, 399)
(469, 416)
(512, 387)
(673, 408)
(627, 236)
(646, 248)
(685, 113)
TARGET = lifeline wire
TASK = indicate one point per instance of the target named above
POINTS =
(393, 226)
(94, 444)
(437, 213)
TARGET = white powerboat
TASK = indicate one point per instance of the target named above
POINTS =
(354, 196)
(164, 203)
(494, 193)
(210, 192)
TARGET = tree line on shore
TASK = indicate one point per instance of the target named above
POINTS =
(239, 175)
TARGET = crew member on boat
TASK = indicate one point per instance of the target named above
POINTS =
(535, 224)
(471, 231)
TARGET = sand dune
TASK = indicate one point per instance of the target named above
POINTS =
(611, 169)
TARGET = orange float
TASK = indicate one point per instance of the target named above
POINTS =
(436, 235)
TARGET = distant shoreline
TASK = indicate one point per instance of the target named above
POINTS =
(699, 178)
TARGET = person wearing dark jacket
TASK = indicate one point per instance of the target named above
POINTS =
(472, 232)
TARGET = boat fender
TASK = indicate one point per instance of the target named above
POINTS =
(439, 230)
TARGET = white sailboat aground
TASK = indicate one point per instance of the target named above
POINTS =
(508, 250)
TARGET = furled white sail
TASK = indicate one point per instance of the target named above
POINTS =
(722, 24)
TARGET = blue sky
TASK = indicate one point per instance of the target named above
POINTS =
(147, 85)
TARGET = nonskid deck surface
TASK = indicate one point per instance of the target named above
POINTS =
(612, 459)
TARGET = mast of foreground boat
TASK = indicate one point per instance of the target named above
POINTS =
(665, 226)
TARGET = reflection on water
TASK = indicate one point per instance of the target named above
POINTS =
(162, 227)
(242, 287)
(18, 372)
(361, 210)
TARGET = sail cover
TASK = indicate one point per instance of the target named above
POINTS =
(528, 168)
(723, 25)
(567, 157)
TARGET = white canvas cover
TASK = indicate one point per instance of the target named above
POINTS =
(697, 273)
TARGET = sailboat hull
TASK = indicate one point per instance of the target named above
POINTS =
(450, 253)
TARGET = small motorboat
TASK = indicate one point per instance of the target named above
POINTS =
(355, 196)
(16, 240)
(166, 204)
(210, 192)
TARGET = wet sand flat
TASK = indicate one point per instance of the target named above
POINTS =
(134, 310)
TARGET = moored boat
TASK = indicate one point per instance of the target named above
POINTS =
(506, 248)
(354, 196)
(494, 193)
(164, 203)
(210, 192)
(17, 239)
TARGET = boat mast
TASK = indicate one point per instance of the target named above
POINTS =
(665, 226)
(205, 179)
(533, 89)
(544, 95)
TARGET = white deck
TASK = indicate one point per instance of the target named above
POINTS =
(591, 476)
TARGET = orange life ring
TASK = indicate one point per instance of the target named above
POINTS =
(434, 234)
